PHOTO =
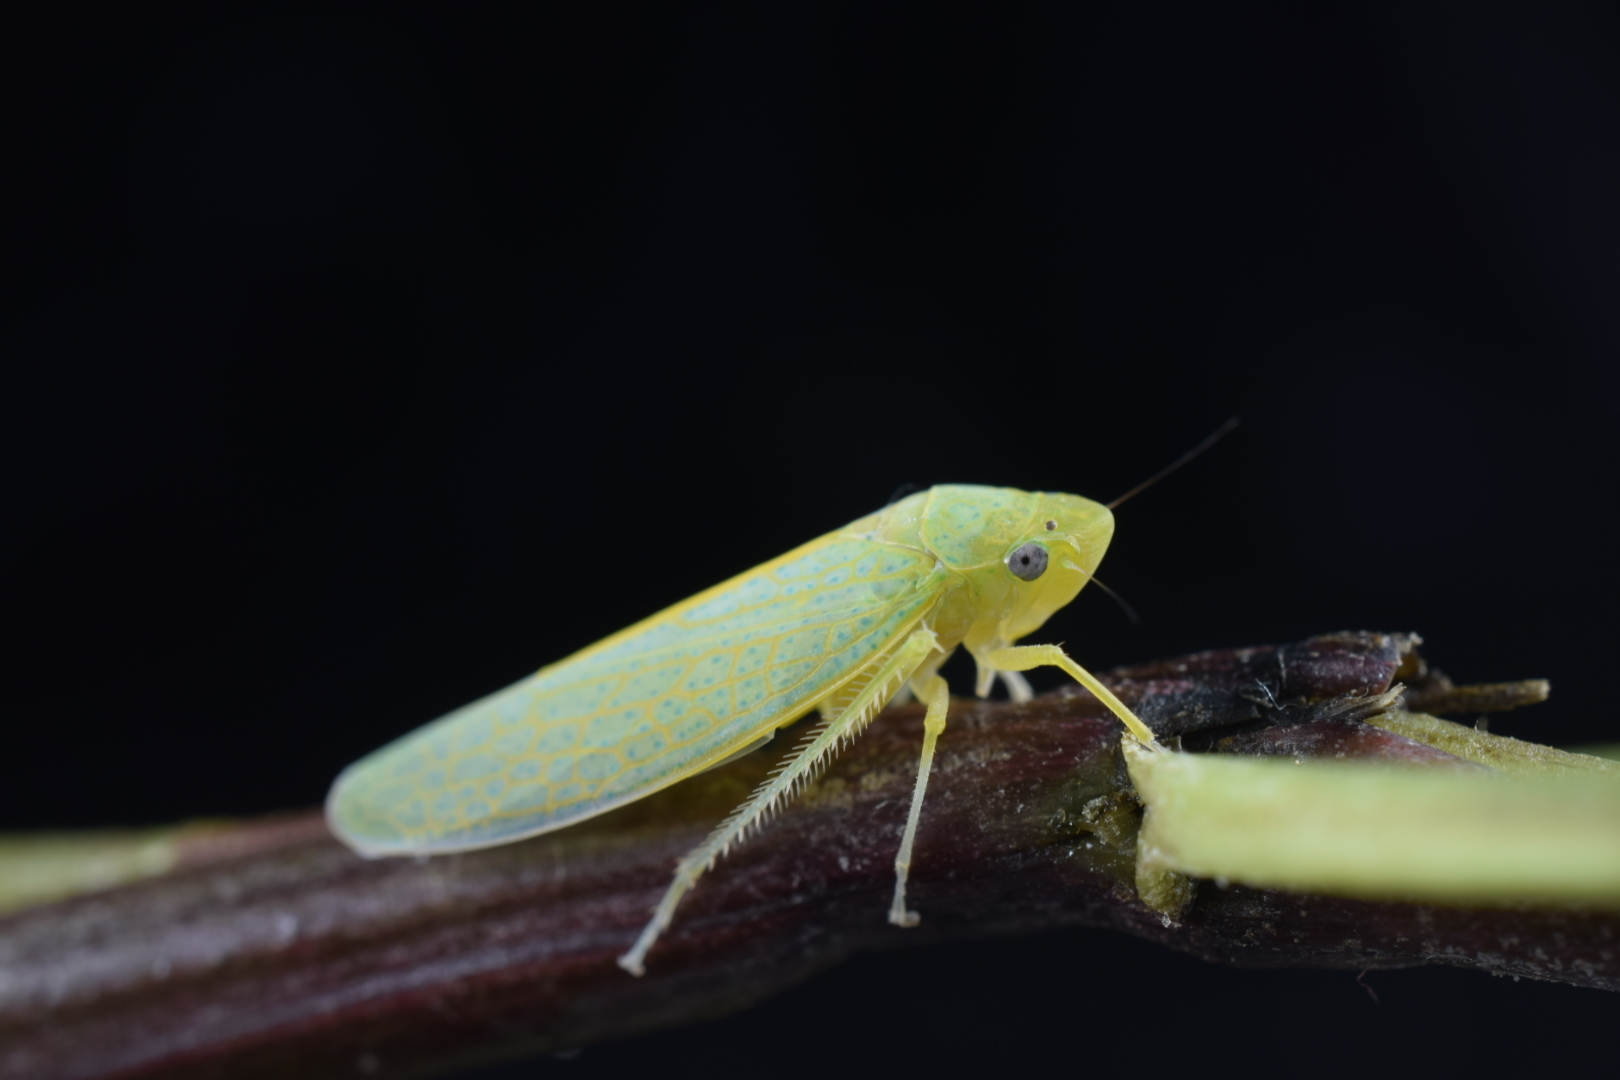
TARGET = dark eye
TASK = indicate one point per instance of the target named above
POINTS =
(1028, 562)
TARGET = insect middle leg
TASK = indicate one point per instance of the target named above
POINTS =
(1025, 657)
(938, 697)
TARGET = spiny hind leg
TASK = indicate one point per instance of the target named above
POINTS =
(820, 743)
(1025, 657)
(938, 697)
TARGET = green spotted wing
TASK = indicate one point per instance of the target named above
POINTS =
(647, 707)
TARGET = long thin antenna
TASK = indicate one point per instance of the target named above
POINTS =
(1209, 441)
(1130, 612)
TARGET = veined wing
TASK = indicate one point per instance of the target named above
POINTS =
(640, 710)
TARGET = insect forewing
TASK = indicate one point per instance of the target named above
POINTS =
(641, 710)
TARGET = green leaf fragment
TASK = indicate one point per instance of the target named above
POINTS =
(1497, 751)
(1377, 831)
(37, 868)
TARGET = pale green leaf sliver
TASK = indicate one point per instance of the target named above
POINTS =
(1499, 752)
(1380, 832)
(36, 868)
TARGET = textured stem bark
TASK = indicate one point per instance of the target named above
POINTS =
(268, 949)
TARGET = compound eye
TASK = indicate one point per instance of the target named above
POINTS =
(1028, 562)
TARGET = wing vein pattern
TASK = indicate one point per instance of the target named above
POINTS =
(642, 709)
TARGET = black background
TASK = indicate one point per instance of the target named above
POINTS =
(357, 364)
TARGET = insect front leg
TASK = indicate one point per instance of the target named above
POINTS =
(1025, 657)
(938, 697)
(1018, 688)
